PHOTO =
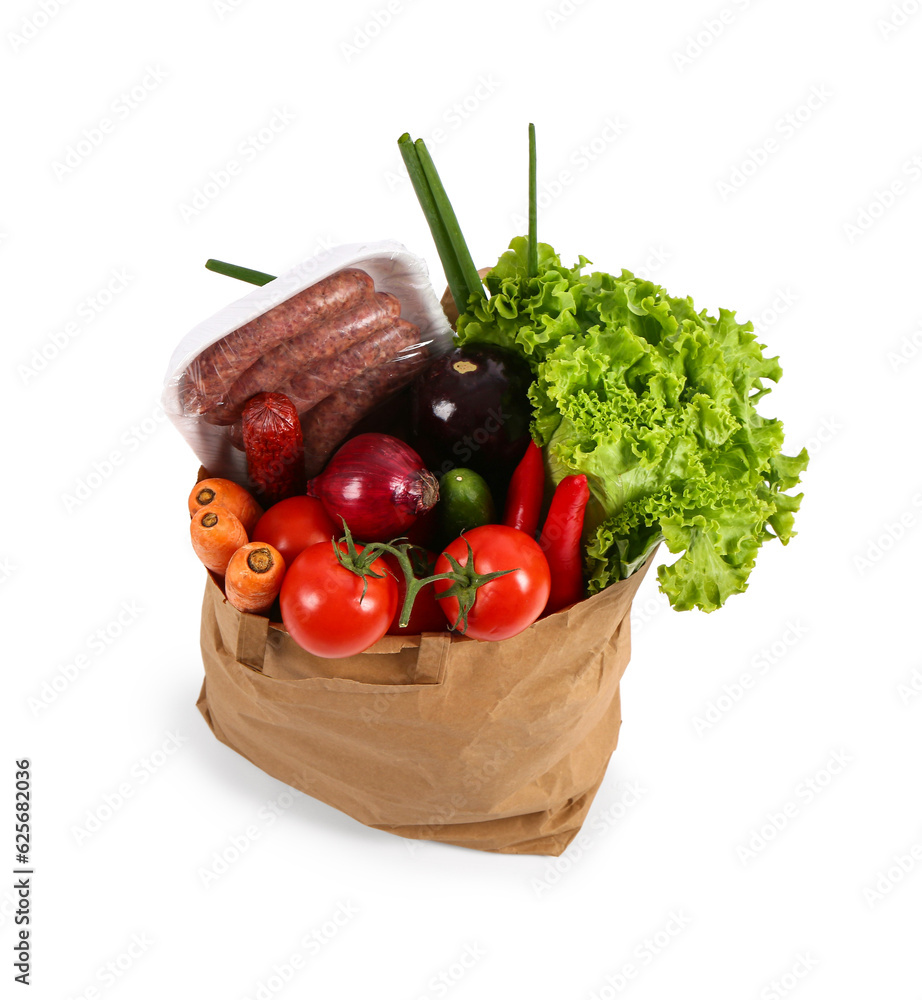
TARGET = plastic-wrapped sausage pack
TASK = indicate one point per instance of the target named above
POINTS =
(337, 335)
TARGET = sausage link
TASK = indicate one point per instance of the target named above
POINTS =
(216, 369)
(313, 384)
(274, 446)
(320, 342)
(328, 423)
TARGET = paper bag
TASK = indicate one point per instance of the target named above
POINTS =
(499, 746)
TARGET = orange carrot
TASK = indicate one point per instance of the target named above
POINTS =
(227, 494)
(216, 535)
(254, 577)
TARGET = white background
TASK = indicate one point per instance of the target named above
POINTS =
(837, 611)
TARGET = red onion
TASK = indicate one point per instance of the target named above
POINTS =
(378, 484)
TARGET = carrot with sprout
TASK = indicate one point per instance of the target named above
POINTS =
(227, 494)
(254, 577)
(217, 533)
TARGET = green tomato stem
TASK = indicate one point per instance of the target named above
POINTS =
(465, 580)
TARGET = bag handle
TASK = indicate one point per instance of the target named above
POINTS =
(253, 635)
(430, 661)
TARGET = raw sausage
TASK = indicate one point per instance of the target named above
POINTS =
(328, 423)
(216, 369)
(313, 384)
(321, 341)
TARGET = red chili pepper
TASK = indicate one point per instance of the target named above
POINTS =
(561, 540)
(526, 491)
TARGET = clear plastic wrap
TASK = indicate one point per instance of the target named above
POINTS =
(338, 334)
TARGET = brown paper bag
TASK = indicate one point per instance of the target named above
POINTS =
(499, 746)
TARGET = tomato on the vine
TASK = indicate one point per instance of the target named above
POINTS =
(323, 606)
(506, 605)
(426, 615)
(293, 524)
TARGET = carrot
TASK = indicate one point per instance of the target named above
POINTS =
(226, 494)
(216, 535)
(254, 577)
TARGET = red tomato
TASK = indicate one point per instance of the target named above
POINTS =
(323, 608)
(293, 524)
(507, 605)
(427, 615)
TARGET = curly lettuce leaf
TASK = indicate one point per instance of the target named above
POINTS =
(655, 403)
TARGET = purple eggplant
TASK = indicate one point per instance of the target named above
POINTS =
(470, 408)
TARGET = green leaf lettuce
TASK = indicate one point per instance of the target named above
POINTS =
(656, 404)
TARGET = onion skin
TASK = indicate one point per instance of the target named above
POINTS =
(377, 484)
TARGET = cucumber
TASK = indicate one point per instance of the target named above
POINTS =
(465, 502)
